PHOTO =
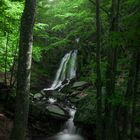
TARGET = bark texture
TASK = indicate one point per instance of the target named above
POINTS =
(110, 110)
(24, 71)
(130, 97)
(98, 72)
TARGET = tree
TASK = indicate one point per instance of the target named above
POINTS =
(130, 96)
(135, 92)
(6, 50)
(110, 111)
(9, 27)
(24, 71)
(98, 72)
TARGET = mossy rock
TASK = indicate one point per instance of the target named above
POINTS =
(86, 112)
(80, 84)
(55, 109)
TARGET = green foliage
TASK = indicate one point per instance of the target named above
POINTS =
(9, 28)
(66, 20)
(36, 53)
(130, 22)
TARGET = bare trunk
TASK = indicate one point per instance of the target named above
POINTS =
(6, 55)
(98, 72)
(130, 96)
(111, 124)
(24, 71)
(137, 79)
(12, 81)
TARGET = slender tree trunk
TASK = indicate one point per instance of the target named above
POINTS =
(110, 110)
(99, 124)
(137, 74)
(24, 70)
(130, 96)
(6, 55)
(13, 66)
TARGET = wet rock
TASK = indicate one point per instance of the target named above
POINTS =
(80, 85)
(46, 118)
(43, 109)
(57, 111)
(85, 117)
(76, 96)
(86, 112)
(38, 96)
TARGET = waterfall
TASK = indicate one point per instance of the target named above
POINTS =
(72, 66)
(65, 72)
(69, 131)
(69, 126)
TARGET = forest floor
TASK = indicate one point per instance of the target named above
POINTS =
(5, 125)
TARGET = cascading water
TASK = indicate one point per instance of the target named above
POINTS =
(69, 125)
(66, 71)
(69, 131)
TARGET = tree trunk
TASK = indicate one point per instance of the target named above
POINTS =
(136, 82)
(6, 55)
(98, 72)
(130, 95)
(24, 71)
(12, 81)
(110, 110)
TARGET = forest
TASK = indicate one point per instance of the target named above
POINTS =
(69, 69)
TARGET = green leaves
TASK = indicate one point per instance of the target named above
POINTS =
(9, 25)
(59, 27)
(62, 42)
(40, 26)
(37, 53)
(65, 21)
(14, 10)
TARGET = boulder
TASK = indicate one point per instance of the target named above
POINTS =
(44, 109)
(85, 117)
(43, 115)
(86, 110)
(57, 111)
(76, 96)
(80, 84)
(38, 96)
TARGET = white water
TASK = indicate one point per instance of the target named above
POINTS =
(69, 137)
(69, 125)
(52, 100)
(66, 71)
(69, 131)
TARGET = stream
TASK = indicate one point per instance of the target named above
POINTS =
(70, 131)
